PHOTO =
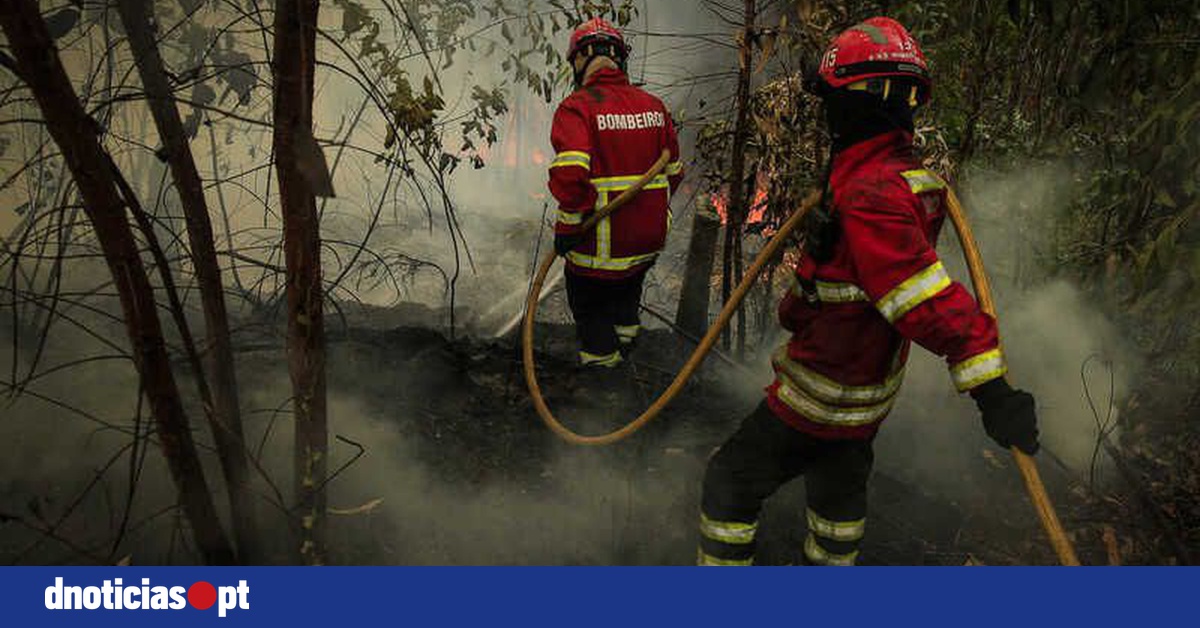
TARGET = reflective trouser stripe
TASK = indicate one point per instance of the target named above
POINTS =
(673, 168)
(835, 530)
(627, 333)
(820, 556)
(592, 359)
(913, 292)
(978, 369)
(706, 560)
(731, 532)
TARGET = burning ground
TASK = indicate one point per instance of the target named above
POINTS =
(456, 468)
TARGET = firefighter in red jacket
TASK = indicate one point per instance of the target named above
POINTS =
(606, 135)
(868, 283)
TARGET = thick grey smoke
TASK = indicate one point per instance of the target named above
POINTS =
(1055, 339)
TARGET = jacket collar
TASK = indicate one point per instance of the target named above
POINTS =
(869, 150)
(607, 76)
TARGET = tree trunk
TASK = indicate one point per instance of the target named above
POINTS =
(736, 213)
(692, 315)
(76, 135)
(293, 65)
(224, 414)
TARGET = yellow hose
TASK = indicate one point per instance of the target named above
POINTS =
(1028, 468)
(1033, 483)
(698, 355)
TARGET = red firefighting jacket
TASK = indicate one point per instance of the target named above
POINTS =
(606, 135)
(852, 318)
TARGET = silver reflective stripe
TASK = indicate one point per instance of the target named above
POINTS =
(835, 530)
(978, 369)
(914, 291)
(570, 218)
(620, 184)
(731, 532)
(827, 390)
(819, 556)
(833, 292)
(603, 259)
(921, 181)
(704, 560)
(814, 410)
(616, 263)
(572, 158)
(628, 332)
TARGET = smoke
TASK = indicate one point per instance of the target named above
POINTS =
(1058, 344)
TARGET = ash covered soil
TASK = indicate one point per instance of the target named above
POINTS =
(456, 468)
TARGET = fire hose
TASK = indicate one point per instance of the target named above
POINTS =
(1033, 483)
(1029, 471)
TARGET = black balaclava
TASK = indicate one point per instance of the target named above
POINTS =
(601, 49)
(855, 116)
(852, 117)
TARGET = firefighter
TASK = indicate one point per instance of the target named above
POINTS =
(606, 134)
(868, 283)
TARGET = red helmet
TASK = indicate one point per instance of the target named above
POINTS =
(877, 47)
(593, 31)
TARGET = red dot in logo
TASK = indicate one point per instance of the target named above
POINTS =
(202, 595)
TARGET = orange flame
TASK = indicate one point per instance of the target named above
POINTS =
(756, 214)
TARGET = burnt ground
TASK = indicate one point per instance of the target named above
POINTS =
(467, 474)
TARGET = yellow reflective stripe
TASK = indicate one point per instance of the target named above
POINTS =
(833, 292)
(704, 560)
(978, 369)
(570, 218)
(592, 359)
(572, 158)
(921, 181)
(731, 532)
(615, 263)
(620, 184)
(814, 410)
(913, 291)
(829, 391)
(818, 555)
(603, 259)
(835, 530)
(628, 332)
(673, 168)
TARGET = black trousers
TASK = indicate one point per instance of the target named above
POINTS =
(764, 454)
(606, 316)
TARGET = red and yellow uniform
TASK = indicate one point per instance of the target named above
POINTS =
(868, 284)
(852, 319)
(606, 135)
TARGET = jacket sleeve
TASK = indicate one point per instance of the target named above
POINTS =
(674, 169)
(570, 172)
(897, 267)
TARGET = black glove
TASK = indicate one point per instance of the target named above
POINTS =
(565, 243)
(1009, 416)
